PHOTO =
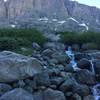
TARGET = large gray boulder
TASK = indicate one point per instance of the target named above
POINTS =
(17, 94)
(15, 66)
(50, 94)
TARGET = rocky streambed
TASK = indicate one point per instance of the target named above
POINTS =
(49, 74)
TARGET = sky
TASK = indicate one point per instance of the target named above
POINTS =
(90, 2)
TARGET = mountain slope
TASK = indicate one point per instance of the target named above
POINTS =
(58, 15)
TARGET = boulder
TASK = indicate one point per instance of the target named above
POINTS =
(61, 57)
(4, 88)
(56, 80)
(35, 46)
(47, 52)
(82, 90)
(42, 79)
(67, 85)
(85, 77)
(15, 66)
(84, 64)
(17, 94)
(50, 94)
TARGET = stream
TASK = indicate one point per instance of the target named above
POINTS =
(96, 88)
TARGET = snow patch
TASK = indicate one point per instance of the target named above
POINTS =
(71, 18)
(13, 26)
(61, 22)
(84, 25)
(54, 20)
(43, 19)
(5, 0)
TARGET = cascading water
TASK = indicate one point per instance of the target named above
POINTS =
(72, 57)
(95, 88)
(96, 91)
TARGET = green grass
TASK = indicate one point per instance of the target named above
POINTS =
(14, 39)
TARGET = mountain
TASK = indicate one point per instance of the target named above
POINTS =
(55, 15)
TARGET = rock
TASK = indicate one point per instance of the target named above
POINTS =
(15, 66)
(50, 94)
(35, 46)
(61, 58)
(17, 94)
(47, 52)
(79, 56)
(89, 97)
(75, 47)
(56, 80)
(31, 83)
(68, 68)
(4, 88)
(42, 79)
(97, 66)
(54, 46)
(85, 77)
(84, 64)
(67, 85)
(82, 90)
(77, 97)
(38, 95)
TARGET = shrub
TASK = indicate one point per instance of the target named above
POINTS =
(80, 38)
(7, 43)
(15, 38)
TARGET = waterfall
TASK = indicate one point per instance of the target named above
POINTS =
(72, 57)
(96, 88)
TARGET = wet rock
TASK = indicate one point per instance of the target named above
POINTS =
(4, 88)
(82, 90)
(79, 56)
(85, 77)
(17, 94)
(84, 64)
(97, 66)
(15, 66)
(50, 94)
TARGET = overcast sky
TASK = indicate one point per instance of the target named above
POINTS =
(90, 2)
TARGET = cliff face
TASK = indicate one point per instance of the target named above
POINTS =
(18, 8)
(67, 14)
